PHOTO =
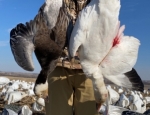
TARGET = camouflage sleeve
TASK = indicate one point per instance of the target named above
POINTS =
(73, 7)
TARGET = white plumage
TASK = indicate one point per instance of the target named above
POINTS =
(103, 49)
(51, 12)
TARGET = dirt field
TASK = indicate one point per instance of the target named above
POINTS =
(22, 78)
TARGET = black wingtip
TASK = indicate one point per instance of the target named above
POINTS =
(135, 79)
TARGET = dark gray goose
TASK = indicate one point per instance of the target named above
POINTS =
(46, 35)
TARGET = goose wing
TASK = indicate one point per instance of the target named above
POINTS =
(122, 57)
(118, 63)
(22, 42)
(130, 79)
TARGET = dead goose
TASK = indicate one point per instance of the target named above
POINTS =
(103, 49)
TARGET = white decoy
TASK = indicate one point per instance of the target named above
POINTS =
(103, 49)
(3, 92)
(24, 85)
(32, 85)
(137, 103)
(113, 95)
(15, 85)
(41, 101)
(26, 110)
(131, 97)
(147, 98)
(8, 94)
(30, 92)
(108, 109)
(114, 110)
(123, 101)
(4, 80)
(37, 107)
(120, 90)
(16, 96)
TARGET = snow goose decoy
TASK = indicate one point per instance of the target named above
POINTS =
(112, 110)
(114, 96)
(123, 101)
(137, 103)
(26, 110)
(37, 107)
(41, 101)
(103, 49)
(15, 96)
(120, 90)
(4, 80)
(46, 35)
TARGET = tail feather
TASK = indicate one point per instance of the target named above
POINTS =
(129, 79)
(135, 79)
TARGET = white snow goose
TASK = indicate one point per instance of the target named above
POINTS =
(46, 35)
(103, 49)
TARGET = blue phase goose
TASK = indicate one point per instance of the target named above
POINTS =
(103, 49)
(46, 35)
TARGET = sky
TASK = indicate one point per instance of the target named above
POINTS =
(134, 14)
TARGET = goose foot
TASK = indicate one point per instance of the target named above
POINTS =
(41, 90)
